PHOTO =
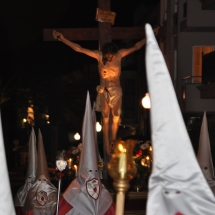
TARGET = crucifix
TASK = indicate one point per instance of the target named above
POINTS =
(104, 32)
(109, 86)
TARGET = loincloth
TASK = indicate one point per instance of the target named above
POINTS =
(111, 94)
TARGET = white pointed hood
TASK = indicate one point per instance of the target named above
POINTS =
(42, 197)
(6, 201)
(204, 154)
(86, 193)
(32, 156)
(176, 185)
(42, 166)
(88, 162)
(31, 171)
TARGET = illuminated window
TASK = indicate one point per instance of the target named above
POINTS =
(198, 52)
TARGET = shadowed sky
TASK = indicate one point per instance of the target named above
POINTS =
(22, 22)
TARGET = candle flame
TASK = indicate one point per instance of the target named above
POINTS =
(121, 148)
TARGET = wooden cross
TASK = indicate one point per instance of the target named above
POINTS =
(104, 32)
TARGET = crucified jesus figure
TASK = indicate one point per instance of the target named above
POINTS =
(109, 98)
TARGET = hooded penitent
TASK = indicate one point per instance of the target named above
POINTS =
(6, 201)
(42, 197)
(86, 195)
(176, 185)
(20, 197)
(204, 154)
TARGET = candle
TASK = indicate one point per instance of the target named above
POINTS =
(148, 161)
(76, 170)
(150, 151)
(122, 162)
(142, 161)
(69, 161)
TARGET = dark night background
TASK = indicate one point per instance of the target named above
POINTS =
(50, 75)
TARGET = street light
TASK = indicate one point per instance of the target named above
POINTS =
(147, 105)
(146, 101)
(77, 136)
(98, 127)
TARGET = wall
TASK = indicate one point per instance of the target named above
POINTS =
(193, 101)
(186, 40)
(198, 17)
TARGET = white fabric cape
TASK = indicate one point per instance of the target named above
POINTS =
(83, 204)
(41, 198)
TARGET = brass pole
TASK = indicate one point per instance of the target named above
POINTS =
(121, 187)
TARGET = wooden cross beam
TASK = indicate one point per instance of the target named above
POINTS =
(117, 33)
(104, 32)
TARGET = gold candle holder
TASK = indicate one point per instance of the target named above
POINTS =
(122, 169)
